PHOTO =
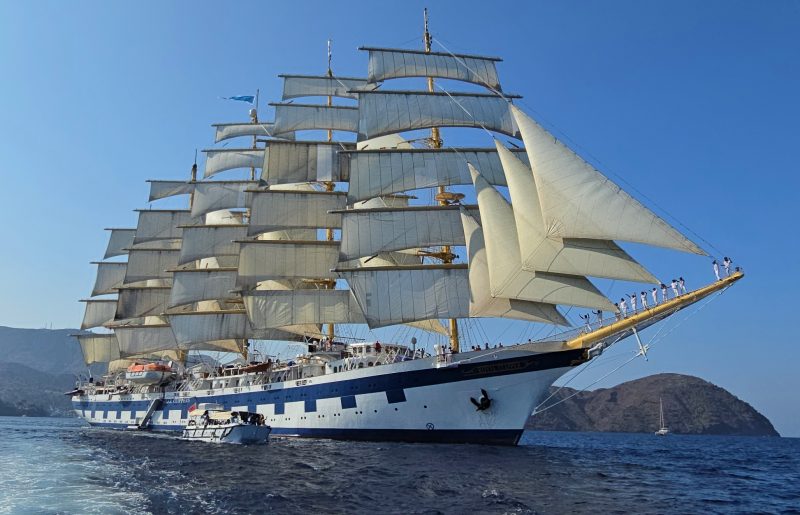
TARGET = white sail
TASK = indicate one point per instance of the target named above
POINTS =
(390, 63)
(225, 131)
(277, 308)
(142, 301)
(296, 86)
(145, 264)
(367, 232)
(389, 296)
(580, 202)
(281, 259)
(217, 195)
(161, 224)
(299, 117)
(118, 242)
(386, 112)
(203, 241)
(542, 251)
(303, 161)
(164, 189)
(109, 277)
(482, 303)
(506, 275)
(272, 210)
(380, 172)
(229, 159)
(140, 339)
(202, 284)
(98, 348)
(98, 312)
(209, 326)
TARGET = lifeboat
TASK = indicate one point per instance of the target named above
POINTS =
(150, 373)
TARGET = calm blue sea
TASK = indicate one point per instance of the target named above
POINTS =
(50, 465)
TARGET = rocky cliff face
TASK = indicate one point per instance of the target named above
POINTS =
(691, 406)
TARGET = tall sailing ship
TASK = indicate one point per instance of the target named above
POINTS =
(329, 235)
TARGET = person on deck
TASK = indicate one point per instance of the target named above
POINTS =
(623, 306)
(682, 285)
(585, 318)
(726, 262)
(599, 315)
(715, 265)
(654, 293)
(377, 347)
(675, 287)
(643, 295)
(663, 292)
(616, 312)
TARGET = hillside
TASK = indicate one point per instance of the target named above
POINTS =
(25, 391)
(47, 350)
(691, 406)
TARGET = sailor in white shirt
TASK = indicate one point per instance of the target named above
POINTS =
(726, 262)
(663, 292)
(675, 287)
(599, 315)
(633, 302)
(623, 306)
(585, 319)
(644, 300)
(682, 285)
(654, 293)
(716, 269)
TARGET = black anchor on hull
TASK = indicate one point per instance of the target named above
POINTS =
(483, 403)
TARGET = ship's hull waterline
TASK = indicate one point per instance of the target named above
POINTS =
(423, 400)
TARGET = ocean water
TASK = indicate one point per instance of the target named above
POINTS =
(50, 465)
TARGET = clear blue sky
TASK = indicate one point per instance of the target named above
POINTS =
(694, 104)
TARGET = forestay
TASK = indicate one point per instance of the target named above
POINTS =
(506, 276)
(204, 241)
(272, 210)
(303, 161)
(217, 195)
(118, 242)
(161, 224)
(380, 172)
(164, 189)
(98, 348)
(295, 86)
(583, 203)
(390, 63)
(298, 117)
(277, 308)
(229, 159)
(396, 295)
(109, 277)
(387, 112)
(202, 284)
(367, 232)
(98, 312)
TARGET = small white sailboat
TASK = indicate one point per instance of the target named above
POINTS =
(663, 430)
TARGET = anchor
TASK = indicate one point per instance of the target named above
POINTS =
(483, 403)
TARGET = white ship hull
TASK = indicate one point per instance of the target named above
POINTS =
(420, 400)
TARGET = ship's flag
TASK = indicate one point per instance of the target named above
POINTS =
(192, 408)
(241, 98)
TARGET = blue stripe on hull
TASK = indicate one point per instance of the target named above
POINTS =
(474, 436)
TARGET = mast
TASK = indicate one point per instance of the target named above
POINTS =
(444, 197)
(331, 284)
